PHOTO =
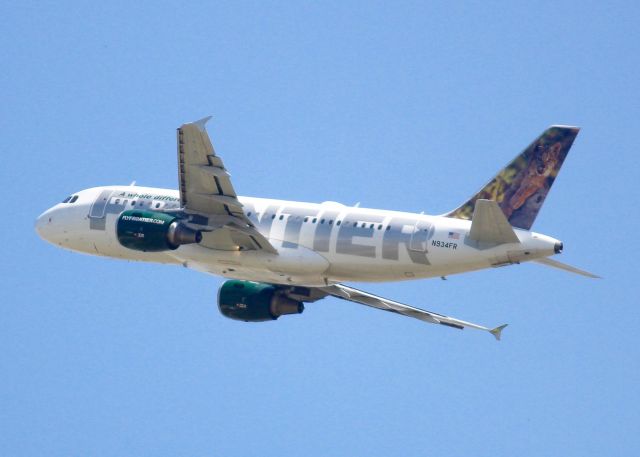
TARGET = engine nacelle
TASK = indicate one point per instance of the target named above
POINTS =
(152, 231)
(255, 301)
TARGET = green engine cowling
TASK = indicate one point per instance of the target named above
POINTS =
(255, 301)
(152, 231)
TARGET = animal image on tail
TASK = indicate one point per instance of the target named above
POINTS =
(522, 186)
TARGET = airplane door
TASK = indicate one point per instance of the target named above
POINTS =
(422, 232)
(100, 204)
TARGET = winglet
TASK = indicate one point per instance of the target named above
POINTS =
(201, 123)
(496, 332)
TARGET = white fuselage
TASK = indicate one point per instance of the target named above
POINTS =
(317, 244)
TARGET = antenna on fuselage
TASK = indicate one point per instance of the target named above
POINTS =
(133, 184)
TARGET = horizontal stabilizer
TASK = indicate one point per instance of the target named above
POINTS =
(490, 225)
(563, 266)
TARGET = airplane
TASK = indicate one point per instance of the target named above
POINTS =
(278, 255)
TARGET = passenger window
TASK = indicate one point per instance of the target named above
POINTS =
(322, 221)
(133, 203)
(117, 201)
(315, 219)
(249, 214)
(281, 217)
(273, 216)
(157, 205)
(73, 200)
(355, 224)
(379, 226)
(331, 222)
(364, 225)
(371, 226)
(306, 218)
(388, 228)
(338, 223)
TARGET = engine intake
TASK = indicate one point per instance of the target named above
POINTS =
(152, 231)
(255, 301)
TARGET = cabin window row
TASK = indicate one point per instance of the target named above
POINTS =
(157, 205)
(330, 221)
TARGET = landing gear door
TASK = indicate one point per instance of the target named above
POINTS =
(100, 204)
(422, 232)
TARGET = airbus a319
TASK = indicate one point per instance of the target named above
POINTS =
(278, 255)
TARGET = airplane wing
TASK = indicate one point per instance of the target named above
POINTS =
(207, 195)
(365, 298)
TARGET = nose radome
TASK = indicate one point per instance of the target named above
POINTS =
(39, 226)
(43, 223)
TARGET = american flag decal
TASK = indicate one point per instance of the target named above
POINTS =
(454, 236)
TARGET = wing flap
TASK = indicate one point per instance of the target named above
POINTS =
(212, 171)
(222, 199)
(256, 237)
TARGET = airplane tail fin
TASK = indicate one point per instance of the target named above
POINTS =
(522, 186)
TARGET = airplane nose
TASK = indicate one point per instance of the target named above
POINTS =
(43, 225)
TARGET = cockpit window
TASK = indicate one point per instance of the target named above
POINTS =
(73, 200)
(67, 199)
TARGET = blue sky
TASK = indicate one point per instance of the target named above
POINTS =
(397, 105)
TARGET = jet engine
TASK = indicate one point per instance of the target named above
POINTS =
(255, 302)
(152, 231)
